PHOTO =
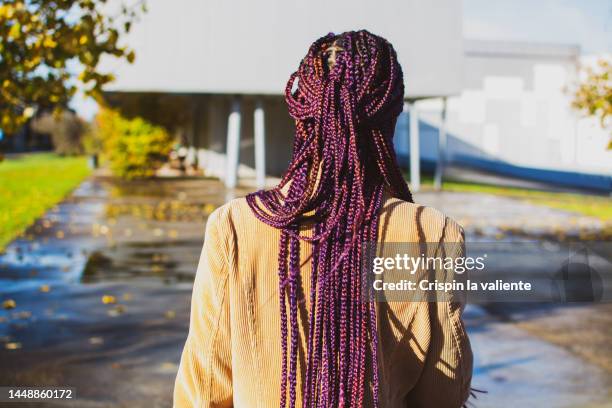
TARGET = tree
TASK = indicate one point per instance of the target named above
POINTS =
(50, 47)
(66, 130)
(593, 95)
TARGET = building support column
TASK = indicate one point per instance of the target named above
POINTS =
(233, 144)
(259, 128)
(415, 156)
(441, 162)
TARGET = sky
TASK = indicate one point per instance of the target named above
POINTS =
(587, 23)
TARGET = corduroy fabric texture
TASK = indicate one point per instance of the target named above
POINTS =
(232, 356)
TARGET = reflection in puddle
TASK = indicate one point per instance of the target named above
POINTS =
(164, 210)
(109, 230)
(143, 260)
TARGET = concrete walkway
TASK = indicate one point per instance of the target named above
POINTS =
(521, 370)
(102, 283)
(493, 216)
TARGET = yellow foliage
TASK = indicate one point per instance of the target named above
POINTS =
(134, 148)
(46, 35)
(49, 42)
(594, 94)
(15, 31)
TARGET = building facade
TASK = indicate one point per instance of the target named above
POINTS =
(219, 69)
(226, 64)
(514, 117)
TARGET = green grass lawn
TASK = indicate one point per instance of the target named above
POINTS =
(585, 204)
(30, 184)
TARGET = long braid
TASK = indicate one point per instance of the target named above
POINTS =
(343, 161)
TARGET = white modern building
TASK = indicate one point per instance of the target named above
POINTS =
(217, 71)
(514, 117)
(226, 64)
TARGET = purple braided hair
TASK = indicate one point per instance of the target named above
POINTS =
(345, 109)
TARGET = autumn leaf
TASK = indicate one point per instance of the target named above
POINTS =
(12, 345)
(9, 304)
(209, 208)
(109, 299)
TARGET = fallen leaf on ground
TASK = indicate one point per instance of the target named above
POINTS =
(170, 314)
(209, 208)
(45, 288)
(9, 304)
(12, 345)
(109, 299)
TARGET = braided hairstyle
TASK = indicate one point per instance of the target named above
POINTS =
(345, 107)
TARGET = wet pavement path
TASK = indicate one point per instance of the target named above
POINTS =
(519, 369)
(101, 288)
(498, 216)
(96, 293)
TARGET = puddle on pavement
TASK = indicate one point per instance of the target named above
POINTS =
(143, 261)
(109, 230)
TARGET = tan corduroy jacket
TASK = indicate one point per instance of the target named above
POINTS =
(232, 356)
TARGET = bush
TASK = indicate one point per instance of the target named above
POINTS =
(134, 148)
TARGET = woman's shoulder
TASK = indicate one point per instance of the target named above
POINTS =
(229, 213)
(234, 217)
(405, 220)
